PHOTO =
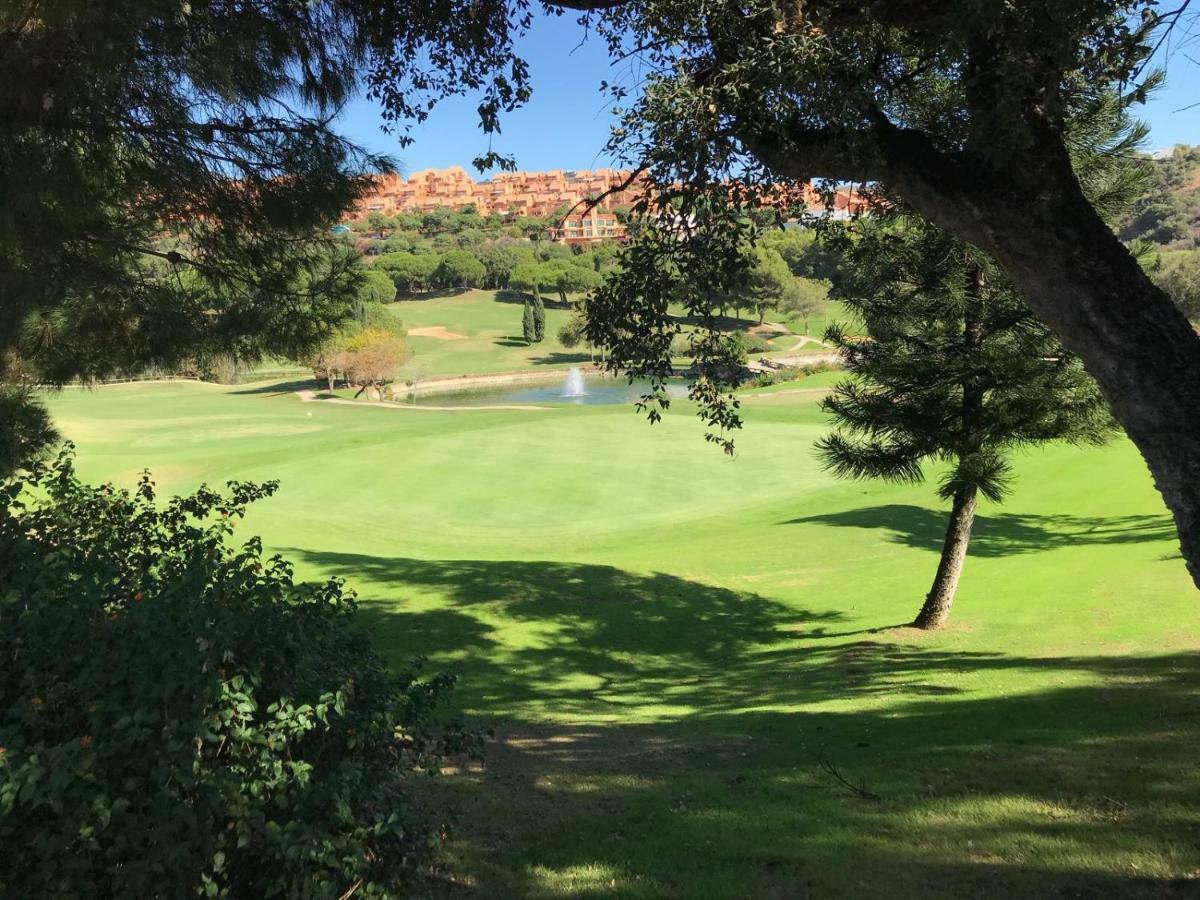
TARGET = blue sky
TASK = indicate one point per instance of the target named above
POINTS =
(566, 123)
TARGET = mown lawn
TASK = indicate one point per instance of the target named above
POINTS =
(684, 655)
(480, 331)
(484, 335)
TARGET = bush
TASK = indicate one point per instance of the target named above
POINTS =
(780, 375)
(681, 347)
(755, 343)
(460, 268)
(377, 287)
(180, 718)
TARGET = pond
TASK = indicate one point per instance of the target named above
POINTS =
(576, 389)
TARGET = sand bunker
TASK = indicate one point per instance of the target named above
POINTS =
(438, 332)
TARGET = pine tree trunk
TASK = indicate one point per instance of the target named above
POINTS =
(936, 610)
(954, 551)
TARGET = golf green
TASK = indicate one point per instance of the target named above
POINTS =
(693, 663)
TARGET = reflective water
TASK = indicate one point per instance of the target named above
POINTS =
(597, 391)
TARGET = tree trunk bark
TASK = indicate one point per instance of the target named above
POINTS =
(954, 551)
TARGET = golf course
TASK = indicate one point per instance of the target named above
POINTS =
(694, 666)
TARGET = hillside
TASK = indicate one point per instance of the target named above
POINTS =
(1169, 214)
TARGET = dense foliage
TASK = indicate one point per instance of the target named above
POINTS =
(1179, 275)
(168, 183)
(368, 350)
(444, 249)
(951, 364)
(180, 718)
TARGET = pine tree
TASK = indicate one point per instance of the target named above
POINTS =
(954, 369)
(529, 323)
(169, 178)
(539, 318)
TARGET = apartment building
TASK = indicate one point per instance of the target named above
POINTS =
(594, 225)
(541, 194)
(509, 194)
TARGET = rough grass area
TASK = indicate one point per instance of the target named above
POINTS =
(486, 334)
(695, 665)
(490, 325)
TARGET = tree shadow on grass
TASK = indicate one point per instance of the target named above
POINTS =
(627, 635)
(657, 736)
(550, 301)
(512, 297)
(1002, 534)
(558, 358)
(283, 387)
(1087, 790)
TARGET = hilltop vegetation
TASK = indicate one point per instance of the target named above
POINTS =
(1165, 225)
(1169, 213)
(447, 249)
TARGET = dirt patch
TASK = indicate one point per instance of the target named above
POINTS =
(437, 332)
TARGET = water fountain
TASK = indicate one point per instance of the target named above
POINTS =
(574, 386)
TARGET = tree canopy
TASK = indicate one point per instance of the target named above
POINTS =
(160, 142)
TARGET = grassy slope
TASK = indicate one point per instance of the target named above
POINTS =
(671, 642)
(492, 330)
(490, 322)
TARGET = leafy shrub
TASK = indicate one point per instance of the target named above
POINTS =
(778, 375)
(681, 347)
(755, 343)
(179, 717)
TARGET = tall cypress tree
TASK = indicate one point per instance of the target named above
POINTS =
(529, 323)
(954, 369)
(539, 318)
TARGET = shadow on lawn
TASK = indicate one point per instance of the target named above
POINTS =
(1001, 534)
(550, 301)
(1075, 792)
(283, 387)
(632, 636)
(558, 358)
(712, 714)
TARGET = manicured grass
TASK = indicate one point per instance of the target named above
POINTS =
(487, 326)
(678, 650)
(489, 323)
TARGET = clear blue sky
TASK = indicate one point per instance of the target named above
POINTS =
(566, 123)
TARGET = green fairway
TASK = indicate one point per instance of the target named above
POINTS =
(482, 334)
(683, 653)
(471, 332)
